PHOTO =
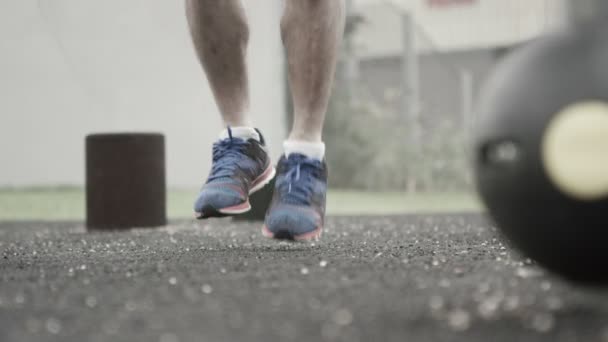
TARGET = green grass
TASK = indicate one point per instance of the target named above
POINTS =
(382, 203)
(67, 203)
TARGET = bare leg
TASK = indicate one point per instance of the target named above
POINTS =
(311, 31)
(220, 35)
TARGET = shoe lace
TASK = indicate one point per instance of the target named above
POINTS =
(227, 154)
(297, 185)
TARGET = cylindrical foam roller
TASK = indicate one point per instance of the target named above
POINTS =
(125, 180)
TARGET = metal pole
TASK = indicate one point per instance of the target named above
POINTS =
(352, 62)
(466, 91)
(411, 93)
(586, 10)
(410, 77)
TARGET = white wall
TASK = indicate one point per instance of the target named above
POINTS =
(72, 67)
(462, 25)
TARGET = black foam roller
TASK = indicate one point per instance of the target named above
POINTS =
(125, 180)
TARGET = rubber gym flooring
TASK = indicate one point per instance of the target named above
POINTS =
(385, 278)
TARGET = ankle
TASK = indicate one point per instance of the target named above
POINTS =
(305, 136)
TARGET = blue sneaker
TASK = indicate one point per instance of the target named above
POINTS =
(297, 210)
(240, 167)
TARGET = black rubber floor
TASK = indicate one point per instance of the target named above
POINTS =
(405, 278)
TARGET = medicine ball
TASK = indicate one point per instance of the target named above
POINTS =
(541, 151)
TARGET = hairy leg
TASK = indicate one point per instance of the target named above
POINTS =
(312, 31)
(220, 34)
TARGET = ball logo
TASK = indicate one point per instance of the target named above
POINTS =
(575, 150)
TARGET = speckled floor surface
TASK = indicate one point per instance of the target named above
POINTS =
(400, 278)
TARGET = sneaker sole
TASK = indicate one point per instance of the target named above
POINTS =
(244, 207)
(313, 235)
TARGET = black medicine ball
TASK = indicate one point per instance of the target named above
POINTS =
(541, 151)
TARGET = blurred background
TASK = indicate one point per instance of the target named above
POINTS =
(397, 129)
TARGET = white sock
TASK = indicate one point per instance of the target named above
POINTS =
(242, 132)
(313, 150)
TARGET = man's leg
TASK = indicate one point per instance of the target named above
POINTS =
(312, 31)
(220, 34)
(241, 164)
